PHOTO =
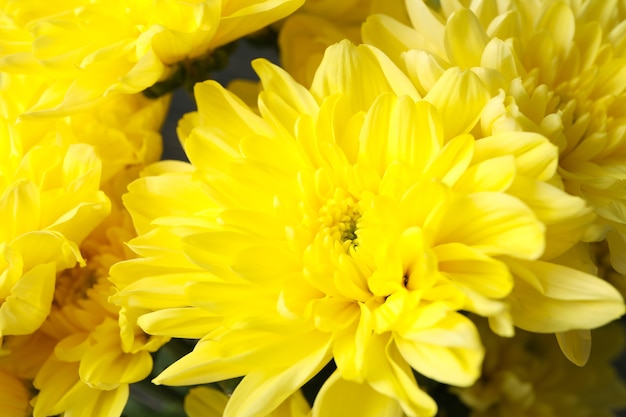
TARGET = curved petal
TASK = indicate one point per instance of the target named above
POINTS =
(460, 96)
(449, 352)
(550, 298)
(340, 397)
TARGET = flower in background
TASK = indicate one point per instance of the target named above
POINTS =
(58, 175)
(305, 35)
(73, 44)
(96, 354)
(51, 199)
(208, 402)
(553, 67)
(122, 129)
(526, 376)
(352, 221)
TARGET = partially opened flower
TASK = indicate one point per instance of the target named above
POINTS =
(93, 49)
(353, 221)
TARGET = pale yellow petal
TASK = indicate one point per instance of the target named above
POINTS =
(460, 97)
(465, 39)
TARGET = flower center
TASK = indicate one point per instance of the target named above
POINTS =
(339, 219)
(72, 285)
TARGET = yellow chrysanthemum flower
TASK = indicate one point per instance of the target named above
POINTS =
(49, 200)
(554, 67)
(73, 43)
(96, 353)
(527, 376)
(352, 221)
(207, 402)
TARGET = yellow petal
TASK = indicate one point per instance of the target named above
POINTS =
(205, 402)
(535, 156)
(460, 97)
(392, 37)
(449, 352)
(575, 345)
(263, 391)
(465, 39)
(185, 322)
(250, 17)
(423, 69)
(400, 130)
(550, 298)
(362, 73)
(20, 207)
(495, 224)
(469, 267)
(428, 22)
(29, 303)
(393, 377)
(340, 397)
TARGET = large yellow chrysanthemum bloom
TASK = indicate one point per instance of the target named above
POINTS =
(352, 221)
(49, 201)
(554, 67)
(207, 402)
(91, 49)
(527, 376)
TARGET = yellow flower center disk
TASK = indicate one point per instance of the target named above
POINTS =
(73, 284)
(339, 218)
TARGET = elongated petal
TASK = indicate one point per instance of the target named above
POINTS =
(496, 224)
(462, 109)
(551, 298)
(362, 73)
(464, 39)
(450, 353)
(263, 391)
(340, 397)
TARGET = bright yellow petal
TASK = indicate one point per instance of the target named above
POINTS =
(362, 73)
(450, 352)
(495, 224)
(551, 298)
(340, 397)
